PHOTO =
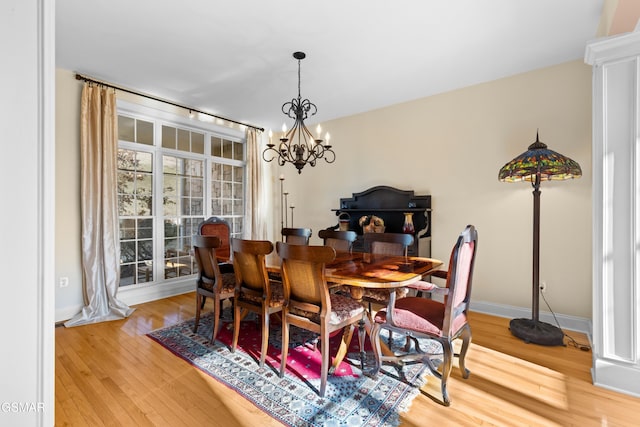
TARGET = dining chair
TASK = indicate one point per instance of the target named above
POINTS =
(338, 239)
(211, 282)
(308, 304)
(254, 291)
(387, 243)
(444, 322)
(396, 244)
(216, 226)
(296, 236)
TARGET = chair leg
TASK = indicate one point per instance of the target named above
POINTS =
(324, 367)
(377, 350)
(466, 340)
(285, 345)
(199, 305)
(347, 334)
(237, 316)
(446, 371)
(216, 319)
(265, 336)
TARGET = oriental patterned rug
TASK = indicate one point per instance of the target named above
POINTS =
(351, 398)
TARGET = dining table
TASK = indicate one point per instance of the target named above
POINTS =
(356, 271)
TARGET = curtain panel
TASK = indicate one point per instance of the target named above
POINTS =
(99, 205)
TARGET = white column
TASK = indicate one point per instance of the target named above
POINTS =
(616, 212)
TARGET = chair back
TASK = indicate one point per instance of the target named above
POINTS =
(220, 228)
(204, 251)
(303, 276)
(387, 243)
(459, 278)
(338, 240)
(296, 236)
(249, 264)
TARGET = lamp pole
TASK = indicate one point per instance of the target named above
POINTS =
(535, 308)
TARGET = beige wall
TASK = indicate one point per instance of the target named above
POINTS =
(67, 244)
(450, 146)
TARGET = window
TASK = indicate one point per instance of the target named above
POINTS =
(172, 175)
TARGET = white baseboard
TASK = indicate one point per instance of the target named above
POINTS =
(572, 323)
(137, 295)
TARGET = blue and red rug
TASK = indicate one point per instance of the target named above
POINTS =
(351, 398)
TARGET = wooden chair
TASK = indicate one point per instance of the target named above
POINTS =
(220, 228)
(385, 244)
(309, 304)
(338, 240)
(417, 317)
(296, 236)
(215, 226)
(254, 291)
(211, 282)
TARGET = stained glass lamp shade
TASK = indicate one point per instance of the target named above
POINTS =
(535, 165)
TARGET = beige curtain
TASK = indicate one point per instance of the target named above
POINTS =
(100, 242)
(255, 226)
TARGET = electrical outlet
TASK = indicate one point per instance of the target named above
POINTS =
(543, 287)
(64, 282)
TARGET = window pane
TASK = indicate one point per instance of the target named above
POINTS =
(237, 151)
(144, 162)
(144, 132)
(127, 229)
(168, 137)
(126, 129)
(127, 251)
(216, 147)
(227, 149)
(197, 143)
(183, 140)
(227, 172)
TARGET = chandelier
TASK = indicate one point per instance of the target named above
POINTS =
(298, 146)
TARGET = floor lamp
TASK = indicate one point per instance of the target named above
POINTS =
(535, 165)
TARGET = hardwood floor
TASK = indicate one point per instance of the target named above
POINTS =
(112, 374)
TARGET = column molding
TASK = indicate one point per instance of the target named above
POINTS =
(616, 212)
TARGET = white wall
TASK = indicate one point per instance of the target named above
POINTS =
(27, 42)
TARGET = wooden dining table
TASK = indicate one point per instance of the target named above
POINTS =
(360, 270)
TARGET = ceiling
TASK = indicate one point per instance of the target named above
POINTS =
(234, 58)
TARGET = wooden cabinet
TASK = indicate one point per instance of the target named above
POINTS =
(390, 204)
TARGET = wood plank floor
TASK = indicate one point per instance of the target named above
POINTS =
(112, 374)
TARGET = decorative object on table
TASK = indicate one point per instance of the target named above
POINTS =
(343, 221)
(408, 227)
(351, 398)
(371, 224)
(535, 165)
(298, 146)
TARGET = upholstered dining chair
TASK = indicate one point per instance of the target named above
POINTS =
(216, 226)
(211, 282)
(444, 322)
(254, 291)
(308, 304)
(296, 236)
(338, 239)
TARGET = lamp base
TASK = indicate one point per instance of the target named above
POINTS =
(532, 331)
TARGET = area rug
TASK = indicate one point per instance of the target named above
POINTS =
(351, 398)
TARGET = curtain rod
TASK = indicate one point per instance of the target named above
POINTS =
(144, 95)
